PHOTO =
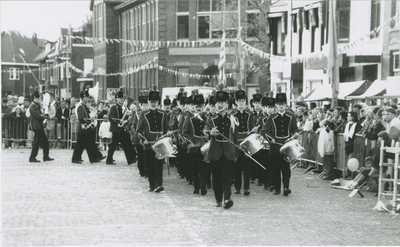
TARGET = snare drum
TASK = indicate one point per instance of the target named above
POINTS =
(292, 150)
(204, 150)
(252, 144)
(164, 148)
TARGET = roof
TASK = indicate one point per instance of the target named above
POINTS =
(377, 88)
(324, 92)
(14, 44)
(43, 55)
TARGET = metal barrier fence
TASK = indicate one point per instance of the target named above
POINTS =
(362, 148)
(60, 134)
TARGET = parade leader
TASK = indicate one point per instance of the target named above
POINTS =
(222, 153)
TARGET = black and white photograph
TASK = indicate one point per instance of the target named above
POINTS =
(200, 122)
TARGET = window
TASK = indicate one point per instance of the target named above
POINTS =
(210, 21)
(14, 74)
(123, 22)
(183, 27)
(43, 74)
(277, 34)
(396, 63)
(183, 6)
(375, 15)
(182, 80)
(253, 24)
(182, 19)
(203, 5)
(343, 11)
(204, 27)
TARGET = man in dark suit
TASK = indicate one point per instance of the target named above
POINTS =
(86, 133)
(222, 153)
(152, 125)
(62, 115)
(280, 126)
(119, 134)
(36, 125)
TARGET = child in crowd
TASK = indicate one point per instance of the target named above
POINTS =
(104, 133)
(308, 126)
(326, 148)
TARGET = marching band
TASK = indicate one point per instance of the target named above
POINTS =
(218, 140)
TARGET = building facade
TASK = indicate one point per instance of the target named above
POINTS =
(19, 71)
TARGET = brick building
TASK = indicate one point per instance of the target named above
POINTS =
(17, 58)
(64, 62)
(165, 21)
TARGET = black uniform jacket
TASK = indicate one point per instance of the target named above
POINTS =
(36, 118)
(246, 123)
(193, 131)
(152, 125)
(115, 112)
(83, 118)
(280, 127)
(218, 144)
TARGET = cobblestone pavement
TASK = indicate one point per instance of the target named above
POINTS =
(63, 204)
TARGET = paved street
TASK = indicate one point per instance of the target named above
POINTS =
(63, 204)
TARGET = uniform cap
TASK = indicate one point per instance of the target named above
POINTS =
(240, 94)
(119, 95)
(35, 95)
(222, 96)
(257, 97)
(198, 99)
(281, 98)
(268, 101)
(154, 96)
(84, 93)
(167, 102)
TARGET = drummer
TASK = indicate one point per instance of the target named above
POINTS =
(211, 113)
(280, 127)
(268, 108)
(245, 126)
(174, 124)
(257, 112)
(193, 131)
(151, 126)
(222, 153)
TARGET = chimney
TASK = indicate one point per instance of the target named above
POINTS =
(35, 39)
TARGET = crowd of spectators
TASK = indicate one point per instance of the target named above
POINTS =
(59, 128)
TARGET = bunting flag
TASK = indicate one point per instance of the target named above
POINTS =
(222, 61)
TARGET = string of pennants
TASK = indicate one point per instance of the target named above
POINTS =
(197, 76)
(247, 47)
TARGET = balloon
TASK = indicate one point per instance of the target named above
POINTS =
(353, 164)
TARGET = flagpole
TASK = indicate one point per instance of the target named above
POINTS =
(333, 62)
